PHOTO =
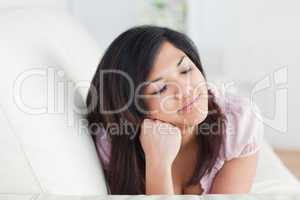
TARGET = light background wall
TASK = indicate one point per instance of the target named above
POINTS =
(240, 42)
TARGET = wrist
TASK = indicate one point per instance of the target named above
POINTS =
(158, 164)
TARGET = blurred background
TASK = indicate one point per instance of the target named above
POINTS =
(240, 44)
(248, 47)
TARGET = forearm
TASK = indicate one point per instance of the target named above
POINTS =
(158, 179)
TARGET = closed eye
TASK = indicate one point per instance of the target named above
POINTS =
(165, 87)
(186, 71)
(160, 91)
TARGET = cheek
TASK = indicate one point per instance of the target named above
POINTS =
(199, 82)
(162, 105)
(153, 105)
(168, 105)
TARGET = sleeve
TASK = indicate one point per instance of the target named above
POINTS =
(244, 130)
(103, 148)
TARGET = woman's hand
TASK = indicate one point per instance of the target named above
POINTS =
(161, 142)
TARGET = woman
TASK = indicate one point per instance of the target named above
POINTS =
(181, 139)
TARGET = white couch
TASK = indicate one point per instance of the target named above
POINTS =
(45, 150)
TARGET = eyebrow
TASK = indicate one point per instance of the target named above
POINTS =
(159, 78)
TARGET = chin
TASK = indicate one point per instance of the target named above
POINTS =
(193, 120)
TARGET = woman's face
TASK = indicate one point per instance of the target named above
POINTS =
(176, 91)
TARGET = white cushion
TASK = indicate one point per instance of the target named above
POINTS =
(50, 152)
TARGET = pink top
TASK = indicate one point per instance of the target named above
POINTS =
(243, 135)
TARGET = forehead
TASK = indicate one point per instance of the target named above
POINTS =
(166, 58)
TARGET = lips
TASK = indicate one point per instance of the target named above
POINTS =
(187, 106)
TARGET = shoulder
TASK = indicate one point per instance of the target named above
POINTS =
(244, 127)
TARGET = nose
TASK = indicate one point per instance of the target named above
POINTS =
(185, 92)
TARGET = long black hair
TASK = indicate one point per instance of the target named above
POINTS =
(133, 52)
